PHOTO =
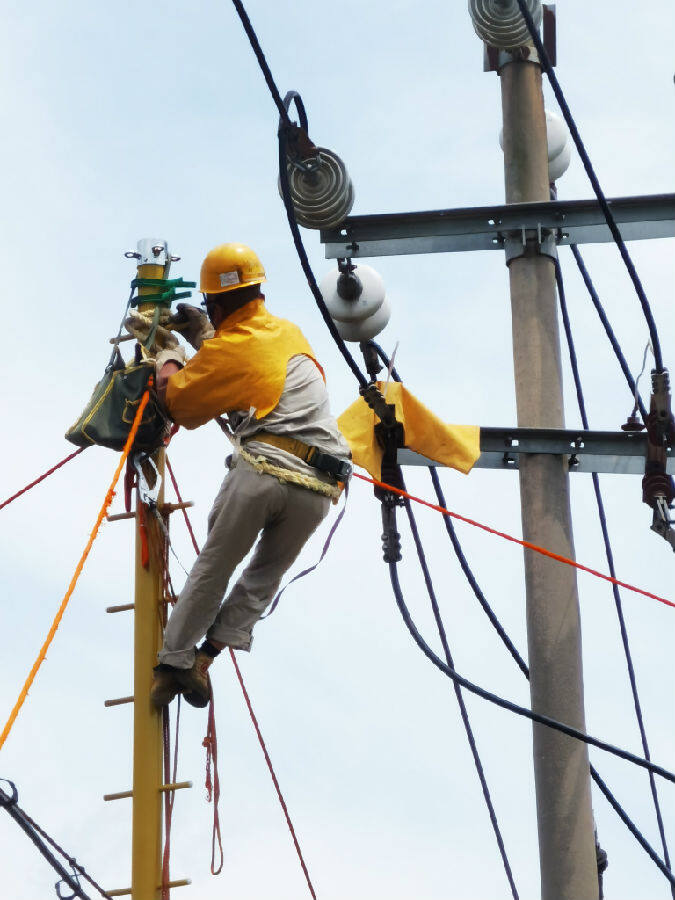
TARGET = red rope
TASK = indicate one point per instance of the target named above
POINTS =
(41, 478)
(272, 773)
(261, 741)
(508, 537)
(213, 784)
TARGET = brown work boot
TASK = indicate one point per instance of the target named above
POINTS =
(165, 685)
(195, 682)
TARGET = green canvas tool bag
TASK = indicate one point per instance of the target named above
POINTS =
(108, 417)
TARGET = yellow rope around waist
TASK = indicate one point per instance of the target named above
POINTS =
(286, 476)
(78, 570)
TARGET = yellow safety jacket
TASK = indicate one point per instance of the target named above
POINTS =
(242, 366)
(457, 446)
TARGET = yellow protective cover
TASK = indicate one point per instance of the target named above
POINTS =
(456, 446)
(242, 366)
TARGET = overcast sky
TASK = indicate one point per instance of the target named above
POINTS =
(129, 120)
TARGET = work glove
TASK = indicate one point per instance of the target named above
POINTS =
(139, 325)
(171, 354)
(193, 324)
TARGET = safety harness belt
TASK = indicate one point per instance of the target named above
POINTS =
(324, 462)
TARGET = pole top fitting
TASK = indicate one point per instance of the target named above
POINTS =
(153, 252)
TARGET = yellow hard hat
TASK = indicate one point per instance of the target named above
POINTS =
(228, 267)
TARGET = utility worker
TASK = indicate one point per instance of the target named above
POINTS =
(288, 460)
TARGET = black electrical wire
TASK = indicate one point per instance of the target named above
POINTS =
(610, 559)
(590, 287)
(460, 699)
(590, 171)
(508, 704)
(284, 124)
(524, 668)
(36, 835)
(452, 534)
(262, 62)
(520, 662)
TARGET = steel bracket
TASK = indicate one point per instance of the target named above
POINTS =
(542, 240)
(613, 452)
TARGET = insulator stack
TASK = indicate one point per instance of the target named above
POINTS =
(321, 190)
(355, 297)
(501, 24)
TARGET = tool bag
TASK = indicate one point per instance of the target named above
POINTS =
(109, 415)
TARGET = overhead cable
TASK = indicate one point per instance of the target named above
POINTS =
(39, 836)
(283, 107)
(460, 699)
(610, 559)
(508, 704)
(512, 649)
(608, 329)
(262, 62)
(590, 171)
(524, 668)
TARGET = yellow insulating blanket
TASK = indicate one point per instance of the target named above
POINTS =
(242, 366)
(456, 446)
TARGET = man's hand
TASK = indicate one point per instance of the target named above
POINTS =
(193, 324)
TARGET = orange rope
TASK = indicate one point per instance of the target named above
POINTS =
(515, 540)
(71, 587)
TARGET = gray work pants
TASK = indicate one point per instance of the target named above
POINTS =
(248, 502)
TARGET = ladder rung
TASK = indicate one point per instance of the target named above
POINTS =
(122, 795)
(174, 786)
(119, 701)
(119, 516)
(123, 892)
(123, 608)
(174, 507)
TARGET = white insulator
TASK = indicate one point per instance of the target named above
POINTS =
(501, 24)
(366, 328)
(560, 163)
(559, 145)
(557, 134)
(324, 196)
(362, 307)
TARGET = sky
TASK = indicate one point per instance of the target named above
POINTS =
(125, 121)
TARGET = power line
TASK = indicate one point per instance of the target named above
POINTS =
(610, 560)
(508, 704)
(590, 287)
(515, 654)
(460, 699)
(38, 836)
(284, 124)
(593, 178)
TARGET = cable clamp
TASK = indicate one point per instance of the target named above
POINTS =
(658, 488)
(301, 151)
(539, 241)
(8, 800)
(391, 539)
(62, 882)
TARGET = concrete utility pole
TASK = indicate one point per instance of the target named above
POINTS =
(561, 767)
